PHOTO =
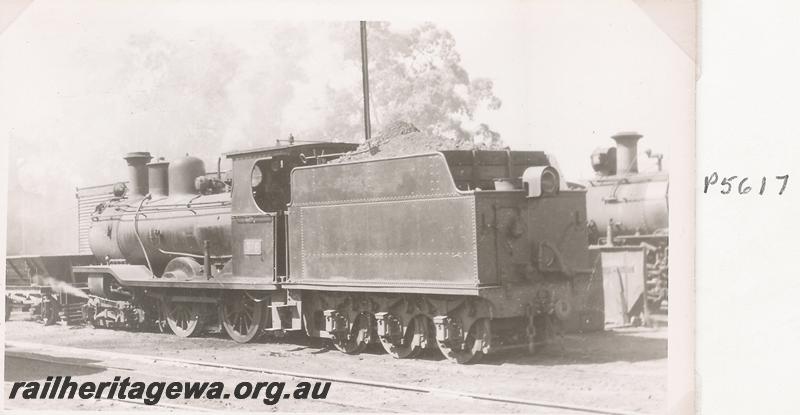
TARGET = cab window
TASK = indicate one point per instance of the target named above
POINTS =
(270, 184)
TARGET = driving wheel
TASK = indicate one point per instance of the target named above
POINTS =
(182, 318)
(241, 316)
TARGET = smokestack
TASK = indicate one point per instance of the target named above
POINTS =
(626, 152)
(137, 173)
(159, 182)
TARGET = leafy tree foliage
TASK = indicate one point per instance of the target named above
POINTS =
(415, 76)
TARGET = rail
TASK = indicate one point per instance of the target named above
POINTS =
(347, 380)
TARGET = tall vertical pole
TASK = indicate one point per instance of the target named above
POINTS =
(365, 80)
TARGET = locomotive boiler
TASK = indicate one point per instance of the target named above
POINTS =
(463, 251)
(164, 214)
(628, 207)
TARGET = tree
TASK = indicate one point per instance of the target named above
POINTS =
(414, 76)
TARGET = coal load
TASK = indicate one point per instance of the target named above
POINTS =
(401, 138)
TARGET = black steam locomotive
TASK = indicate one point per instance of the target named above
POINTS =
(464, 251)
(627, 207)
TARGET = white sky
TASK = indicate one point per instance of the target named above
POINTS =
(570, 73)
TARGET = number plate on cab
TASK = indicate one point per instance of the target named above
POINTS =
(252, 246)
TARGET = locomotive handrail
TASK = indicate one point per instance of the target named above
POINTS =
(167, 209)
(194, 255)
(253, 214)
(200, 205)
(136, 231)
(314, 156)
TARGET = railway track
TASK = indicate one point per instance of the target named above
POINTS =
(422, 390)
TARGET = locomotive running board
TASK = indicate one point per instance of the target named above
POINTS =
(454, 289)
(140, 276)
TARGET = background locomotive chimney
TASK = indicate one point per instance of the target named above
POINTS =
(137, 173)
(626, 152)
(159, 184)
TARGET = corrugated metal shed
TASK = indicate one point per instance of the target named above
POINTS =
(88, 199)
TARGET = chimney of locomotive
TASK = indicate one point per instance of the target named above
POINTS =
(137, 173)
(159, 184)
(627, 152)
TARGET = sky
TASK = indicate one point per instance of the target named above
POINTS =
(84, 82)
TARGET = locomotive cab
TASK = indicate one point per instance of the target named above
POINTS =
(260, 197)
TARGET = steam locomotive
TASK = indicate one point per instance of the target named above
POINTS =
(631, 208)
(465, 251)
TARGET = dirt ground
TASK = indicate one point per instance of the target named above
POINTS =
(624, 369)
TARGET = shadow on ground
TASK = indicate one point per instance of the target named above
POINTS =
(589, 348)
(586, 348)
(23, 367)
(636, 345)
